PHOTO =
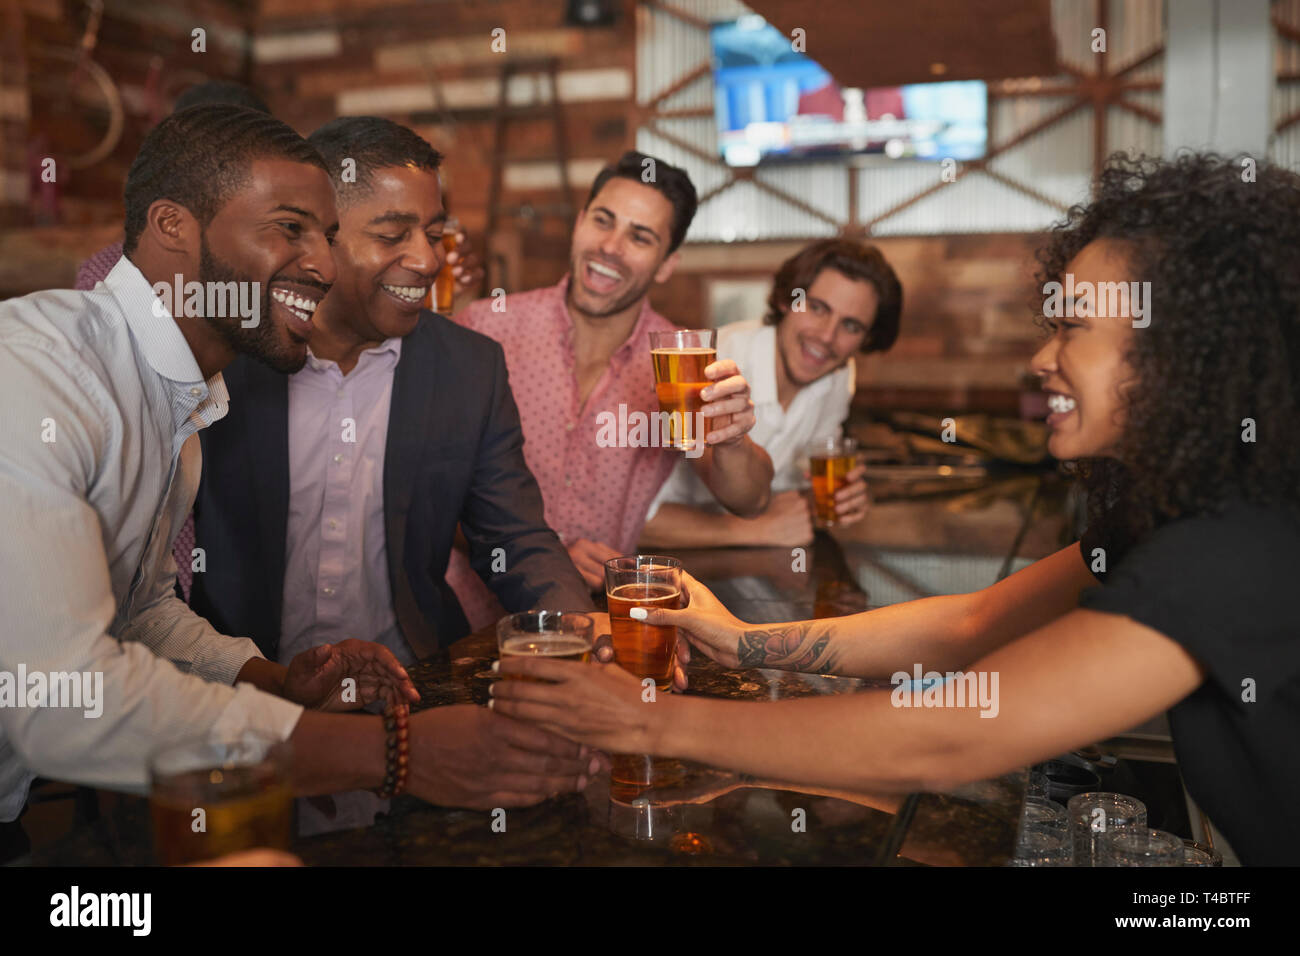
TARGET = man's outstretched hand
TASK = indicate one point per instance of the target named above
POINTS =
(316, 677)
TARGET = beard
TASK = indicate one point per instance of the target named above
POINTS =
(633, 295)
(261, 342)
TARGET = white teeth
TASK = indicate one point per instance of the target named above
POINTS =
(296, 303)
(412, 293)
(600, 270)
(1060, 403)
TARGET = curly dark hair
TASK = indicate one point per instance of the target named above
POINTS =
(1221, 249)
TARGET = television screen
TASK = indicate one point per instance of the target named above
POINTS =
(774, 103)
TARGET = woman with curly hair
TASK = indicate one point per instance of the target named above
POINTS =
(1179, 415)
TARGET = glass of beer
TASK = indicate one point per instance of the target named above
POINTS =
(444, 285)
(643, 580)
(555, 635)
(213, 797)
(829, 462)
(680, 358)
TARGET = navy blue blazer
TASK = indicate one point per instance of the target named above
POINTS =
(453, 454)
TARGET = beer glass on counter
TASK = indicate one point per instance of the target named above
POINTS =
(680, 358)
(444, 284)
(829, 462)
(209, 798)
(555, 635)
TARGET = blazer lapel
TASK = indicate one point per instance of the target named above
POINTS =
(410, 420)
(267, 422)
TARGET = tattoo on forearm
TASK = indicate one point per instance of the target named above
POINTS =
(790, 647)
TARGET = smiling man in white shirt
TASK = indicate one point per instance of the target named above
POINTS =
(830, 301)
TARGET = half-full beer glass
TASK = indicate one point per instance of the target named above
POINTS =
(213, 797)
(680, 358)
(829, 462)
(555, 635)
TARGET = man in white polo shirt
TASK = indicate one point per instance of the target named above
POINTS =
(831, 300)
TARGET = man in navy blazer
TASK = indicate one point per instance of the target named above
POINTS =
(330, 498)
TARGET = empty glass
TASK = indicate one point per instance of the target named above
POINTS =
(1039, 811)
(1140, 846)
(1198, 854)
(1092, 815)
(1041, 845)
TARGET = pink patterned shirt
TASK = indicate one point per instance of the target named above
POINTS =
(590, 491)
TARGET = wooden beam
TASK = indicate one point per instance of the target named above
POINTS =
(704, 69)
(1148, 114)
(1021, 187)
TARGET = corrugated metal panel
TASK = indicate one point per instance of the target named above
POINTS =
(1072, 22)
(823, 186)
(1284, 147)
(1135, 27)
(700, 133)
(1132, 134)
(1056, 162)
(745, 213)
(974, 203)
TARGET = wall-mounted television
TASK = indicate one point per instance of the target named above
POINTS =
(773, 103)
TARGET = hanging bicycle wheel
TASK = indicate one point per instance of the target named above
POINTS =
(76, 92)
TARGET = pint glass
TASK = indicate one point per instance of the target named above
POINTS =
(680, 358)
(555, 635)
(209, 798)
(643, 580)
(829, 462)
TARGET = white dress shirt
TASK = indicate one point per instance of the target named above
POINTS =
(817, 410)
(99, 464)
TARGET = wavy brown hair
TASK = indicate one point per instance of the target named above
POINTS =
(1221, 249)
(857, 260)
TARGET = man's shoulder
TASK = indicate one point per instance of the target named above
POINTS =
(71, 327)
(498, 315)
(436, 331)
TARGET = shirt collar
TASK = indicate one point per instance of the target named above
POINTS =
(158, 336)
(389, 347)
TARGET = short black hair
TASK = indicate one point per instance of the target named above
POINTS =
(665, 178)
(219, 92)
(200, 156)
(373, 143)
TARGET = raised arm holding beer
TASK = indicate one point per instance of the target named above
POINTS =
(583, 369)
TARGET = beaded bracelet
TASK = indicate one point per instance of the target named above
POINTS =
(396, 750)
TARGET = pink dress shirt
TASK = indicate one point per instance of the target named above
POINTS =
(593, 492)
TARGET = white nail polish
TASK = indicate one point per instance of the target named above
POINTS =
(637, 614)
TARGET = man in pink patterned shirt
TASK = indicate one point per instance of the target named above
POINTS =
(578, 355)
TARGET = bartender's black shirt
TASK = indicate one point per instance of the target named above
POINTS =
(1227, 588)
